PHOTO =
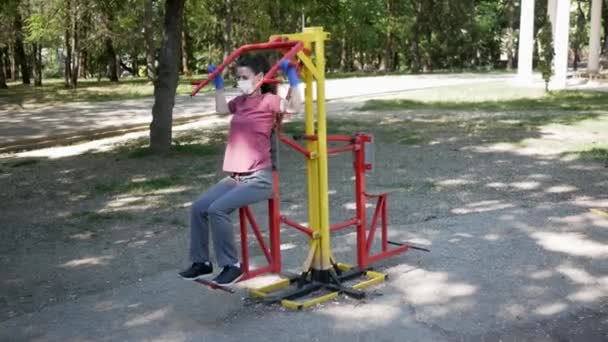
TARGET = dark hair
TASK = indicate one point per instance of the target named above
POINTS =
(258, 64)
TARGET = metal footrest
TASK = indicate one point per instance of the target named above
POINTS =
(288, 291)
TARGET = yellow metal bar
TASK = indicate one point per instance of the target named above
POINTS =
(344, 267)
(311, 163)
(312, 250)
(290, 304)
(310, 66)
(263, 291)
(310, 34)
(375, 278)
(323, 256)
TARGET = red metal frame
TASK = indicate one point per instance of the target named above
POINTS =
(290, 48)
(365, 236)
(272, 252)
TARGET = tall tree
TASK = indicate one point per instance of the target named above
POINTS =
(605, 19)
(67, 75)
(166, 84)
(186, 52)
(109, 10)
(227, 33)
(415, 60)
(580, 36)
(2, 76)
(75, 43)
(149, 39)
(510, 33)
(19, 47)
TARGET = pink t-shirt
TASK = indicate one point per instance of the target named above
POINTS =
(248, 147)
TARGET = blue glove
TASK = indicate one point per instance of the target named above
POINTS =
(218, 80)
(291, 72)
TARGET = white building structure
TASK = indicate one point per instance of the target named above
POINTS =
(559, 14)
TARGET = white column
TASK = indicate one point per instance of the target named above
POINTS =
(562, 30)
(594, 41)
(526, 40)
(552, 11)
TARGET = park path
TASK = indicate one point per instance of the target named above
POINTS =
(52, 125)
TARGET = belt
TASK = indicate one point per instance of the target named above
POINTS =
(240, 174)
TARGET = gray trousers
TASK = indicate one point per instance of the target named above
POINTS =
(211, 212)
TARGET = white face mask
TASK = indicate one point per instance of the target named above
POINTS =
(245, 86)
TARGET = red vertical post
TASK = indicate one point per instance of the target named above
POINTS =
(274, 220)
(384, 223)
(244, 246)
(360, 202)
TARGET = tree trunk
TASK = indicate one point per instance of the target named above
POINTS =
(85, 28)
(37, 64)
(166, 84)
(111, 56)
(83, 64)
(149, 40)
(227, 35)
(388, 45)
(510, 33)
(415, 42)
(428, 65)
(14, 71)
(7, 64)
(20, 50)
(342, 55)
(605, 15)
(68, 57)
(185, 50)
(75, 53)
(2, 69)
(134, 64)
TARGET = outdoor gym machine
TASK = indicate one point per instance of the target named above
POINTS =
(320, 269)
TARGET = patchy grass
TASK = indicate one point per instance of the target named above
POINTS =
(562, 100)
(54, 92)
(412, 139)
(200, 150)
(334, 126)
(93, 216)
(377, 73)
(139, 186)
(596, 153)
(173, 221)
(202, 145)
(24, 162)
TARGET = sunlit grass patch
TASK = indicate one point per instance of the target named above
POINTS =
(94, 216)
(139, 186)
(561, 100)
(54, 92)
(596, 154)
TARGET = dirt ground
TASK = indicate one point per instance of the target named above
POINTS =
(77, 226)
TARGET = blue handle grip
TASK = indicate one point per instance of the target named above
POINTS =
(291, 72)
(218, 81)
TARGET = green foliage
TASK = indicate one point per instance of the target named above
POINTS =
(575, 101)
(367, 36)
(594, 153)
(546, 52)
(139, 186)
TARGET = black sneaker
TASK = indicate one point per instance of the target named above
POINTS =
(228, 276)
(197, 270)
